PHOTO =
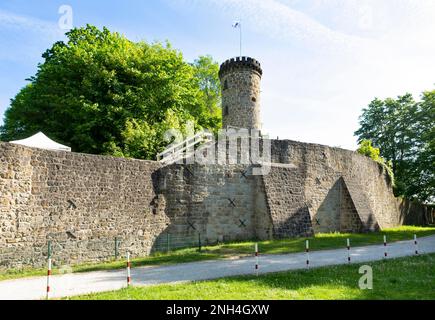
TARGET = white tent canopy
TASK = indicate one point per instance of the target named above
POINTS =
(41, 141)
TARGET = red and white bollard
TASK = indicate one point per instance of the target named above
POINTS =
(385, 247)
(416, 244)
(48, 277)
(256, 259)
(48, 269)
(348, 250)
(128, 270)
(307, 251)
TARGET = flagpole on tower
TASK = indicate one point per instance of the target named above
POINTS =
(238, 24)
(240, 27)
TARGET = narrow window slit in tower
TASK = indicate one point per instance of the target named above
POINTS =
(226, 112)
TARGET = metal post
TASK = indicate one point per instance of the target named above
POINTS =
(49, 249)
(240, 39)
(256, 259)
(385, 247)
(116, 248)
(168, 236)
(307, 252)
(199, 241)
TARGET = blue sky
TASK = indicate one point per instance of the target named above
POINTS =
(323, 60)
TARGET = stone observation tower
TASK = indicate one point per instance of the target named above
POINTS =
(240, 79)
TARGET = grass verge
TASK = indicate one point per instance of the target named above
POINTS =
(395, 279)
(319, 242)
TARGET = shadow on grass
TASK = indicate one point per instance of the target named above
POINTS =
(322, 241)
(402, 278)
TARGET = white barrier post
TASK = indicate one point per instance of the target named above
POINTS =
(256, 259)
(416, 244)
(385, 247)
(348, 250)
(128, 269)
(307, 251)
(48, 270)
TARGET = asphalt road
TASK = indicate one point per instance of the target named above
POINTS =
(83, 283)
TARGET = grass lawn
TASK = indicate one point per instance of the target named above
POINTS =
(395, 279)
(319, 242)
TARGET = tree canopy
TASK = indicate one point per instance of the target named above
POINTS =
(101, 93)
(404, 131)
(366, 148)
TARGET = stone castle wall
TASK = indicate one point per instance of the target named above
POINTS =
(82, 202)
(220, 202)
(326, 174)
(415, 213)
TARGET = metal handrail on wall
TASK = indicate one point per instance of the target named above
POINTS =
(178, 151)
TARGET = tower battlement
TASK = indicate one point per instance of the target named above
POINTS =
(240, 63)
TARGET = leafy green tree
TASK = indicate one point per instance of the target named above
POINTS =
(423, 172)
(206, 72)
(403, 130)
(104, 94)
(366, 148)
(207, 75)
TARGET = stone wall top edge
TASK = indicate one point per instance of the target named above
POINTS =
(312, 145)
(321, 146)
(54, 153)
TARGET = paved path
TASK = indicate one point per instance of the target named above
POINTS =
(82, 283)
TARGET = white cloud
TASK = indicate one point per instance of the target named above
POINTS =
(276, 20)
(22, 41)
(10, 20)
(26, 35)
